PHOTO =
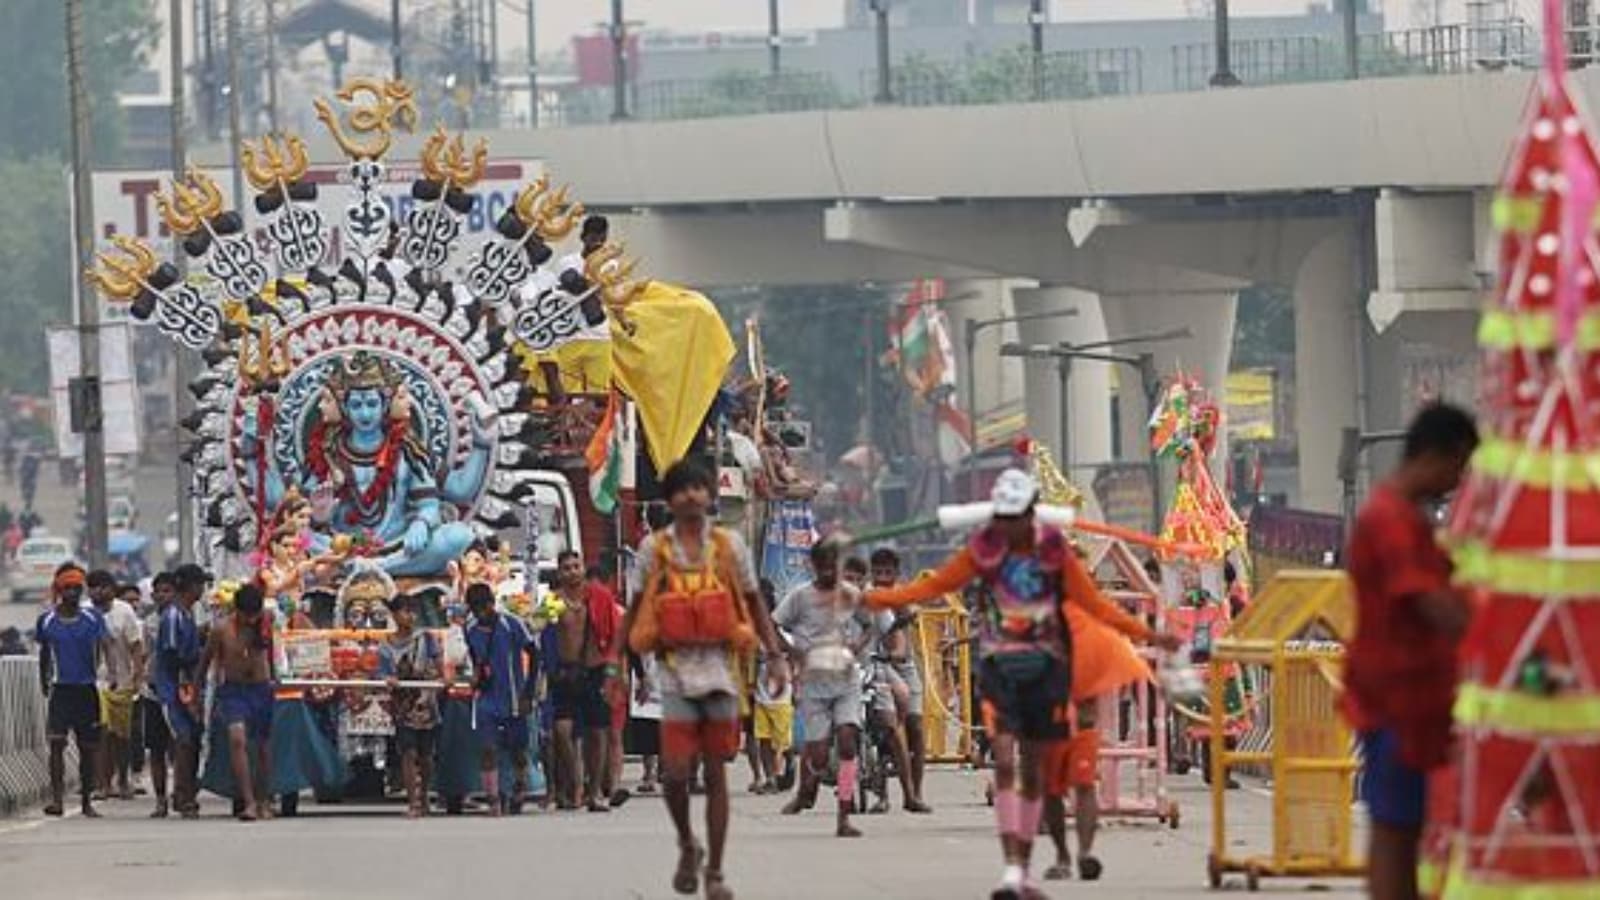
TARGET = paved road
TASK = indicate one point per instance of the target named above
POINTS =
(372, 852)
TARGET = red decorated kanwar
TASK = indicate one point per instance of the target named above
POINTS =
(1517, 815)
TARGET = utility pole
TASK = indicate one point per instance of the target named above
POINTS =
(183, 404)
(533, 67)
(619, 63)
(234, 134)
(272, 66)
(394, 37)
(87, 387)
(774, 41)
(1036, 17)
(208, 64)
(1352, 39)
(1223, 76)
(880, 9)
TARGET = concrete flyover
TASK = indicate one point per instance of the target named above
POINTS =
(1367, 198)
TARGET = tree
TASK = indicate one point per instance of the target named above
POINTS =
(33, 79)
(38, 273)
(33, 109)
(821, 337)
(1263, 333)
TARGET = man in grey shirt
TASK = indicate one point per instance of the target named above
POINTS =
(829, 627)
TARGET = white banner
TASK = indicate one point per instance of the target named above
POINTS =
(119, 397)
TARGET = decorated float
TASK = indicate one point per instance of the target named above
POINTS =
(1517, 814)
(368, 421)
(1199, 599)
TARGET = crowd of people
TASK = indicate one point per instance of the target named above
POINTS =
(707, 662)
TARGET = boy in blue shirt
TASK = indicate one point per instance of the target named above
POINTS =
(504, 659)
(69, 646)
(177, 687)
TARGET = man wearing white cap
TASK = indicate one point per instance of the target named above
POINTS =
(1028, 573)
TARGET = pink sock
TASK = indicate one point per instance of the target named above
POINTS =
(1005, 811)
(845, 789)
(1027, 818)
(491, 785)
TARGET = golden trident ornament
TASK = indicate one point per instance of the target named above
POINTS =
(446, 160)
(275, 162)
(372, 120)
(123, 277)
(552, 216)
(612, 275)
(264, 359)
(196, 198)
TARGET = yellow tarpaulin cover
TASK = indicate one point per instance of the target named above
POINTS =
(671, 365)
(1251, 401)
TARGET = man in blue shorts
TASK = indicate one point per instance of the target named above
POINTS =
(242, 646)
(69, 638)
(504, 659)
(177, 686)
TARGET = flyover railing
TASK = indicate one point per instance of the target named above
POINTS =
(1018, 76)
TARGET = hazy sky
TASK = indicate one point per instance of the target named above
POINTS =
(560, 19)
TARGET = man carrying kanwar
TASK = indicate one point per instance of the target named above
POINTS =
(1029, 578)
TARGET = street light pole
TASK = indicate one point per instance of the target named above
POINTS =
(1143, 363)
(94, 437)
(1352, 49)
(973, 328)
(1036, 18)
(234, 133)
(394, 39)
(272, 66)
(880, 8)
(619, 62)
(533, 67)
(1223, 76)
(774, 41)
(183, 404)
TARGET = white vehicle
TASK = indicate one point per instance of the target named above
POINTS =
(122, 514)
(36, 564)
(555, 516)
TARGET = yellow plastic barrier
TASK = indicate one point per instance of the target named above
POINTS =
(1294, 631)
(944, 656)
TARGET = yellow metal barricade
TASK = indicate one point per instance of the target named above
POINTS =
(1294, 631)
(944, 657)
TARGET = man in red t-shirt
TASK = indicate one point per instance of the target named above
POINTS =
(1400, 669)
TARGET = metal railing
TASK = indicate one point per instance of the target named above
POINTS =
(1015, 76)
(735, 92)
(24, 754)
(1018, 76)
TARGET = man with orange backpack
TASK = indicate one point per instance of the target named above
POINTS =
(697, 606)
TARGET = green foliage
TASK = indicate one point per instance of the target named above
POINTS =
(119, 35)
(35, 238)
(739, 92)
(1263, 333)
(1007, 76)
(33, 233)
(821, 337)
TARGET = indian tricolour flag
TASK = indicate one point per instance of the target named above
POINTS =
(604, 457)
(921, 338)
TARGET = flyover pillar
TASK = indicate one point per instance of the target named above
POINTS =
(1327, 313)
(1089, 386)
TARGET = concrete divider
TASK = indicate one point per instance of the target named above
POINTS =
(24, 754)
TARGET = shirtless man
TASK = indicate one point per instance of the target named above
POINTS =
(242, 646)
(585, 634)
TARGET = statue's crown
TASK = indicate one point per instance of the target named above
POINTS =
(366, 370)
